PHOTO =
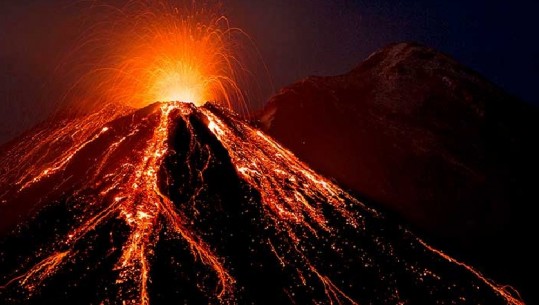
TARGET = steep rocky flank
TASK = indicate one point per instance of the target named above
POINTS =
(430, 140)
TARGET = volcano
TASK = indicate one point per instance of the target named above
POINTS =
(175, 203)
(430, 140)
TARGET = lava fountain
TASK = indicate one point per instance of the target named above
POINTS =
(148, 51)
(186, 202)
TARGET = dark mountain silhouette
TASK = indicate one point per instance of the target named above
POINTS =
(178, 204)
(430, 140)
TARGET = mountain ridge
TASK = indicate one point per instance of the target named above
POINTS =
(427, 138)
(177, 203)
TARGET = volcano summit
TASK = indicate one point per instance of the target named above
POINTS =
(174, 203)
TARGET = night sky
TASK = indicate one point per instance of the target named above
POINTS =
(296, 39)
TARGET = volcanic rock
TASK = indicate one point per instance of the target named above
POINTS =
(177, 204)
(430, 140)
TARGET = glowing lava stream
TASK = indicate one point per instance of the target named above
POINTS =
(252, 165)
(139, 202)
(141, 209)
(293, 198)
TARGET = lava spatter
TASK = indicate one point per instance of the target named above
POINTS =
(175, 203)
(131, 194)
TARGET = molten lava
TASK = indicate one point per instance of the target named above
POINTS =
(146, 51)
(185, 202)
(198, 192)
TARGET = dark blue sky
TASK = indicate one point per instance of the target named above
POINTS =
(296, 38)
(301, 37)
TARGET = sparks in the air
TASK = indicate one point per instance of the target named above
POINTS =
(164, 51)
(185, 86)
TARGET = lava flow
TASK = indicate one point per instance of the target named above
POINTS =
(131, 193)
(175, 203)
(164, 50)
(185, 202)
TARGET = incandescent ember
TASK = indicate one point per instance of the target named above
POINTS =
(176, 203)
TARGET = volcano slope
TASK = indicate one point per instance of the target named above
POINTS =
(433, 142)
(178, 204)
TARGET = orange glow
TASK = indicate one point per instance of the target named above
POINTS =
(137, 201)
(292, 200)
(145, 52)
(184, 87)
(165, 53)
(257, 162)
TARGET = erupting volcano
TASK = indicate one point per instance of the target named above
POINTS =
(175, 203)
(136, 202)
(147, 51)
